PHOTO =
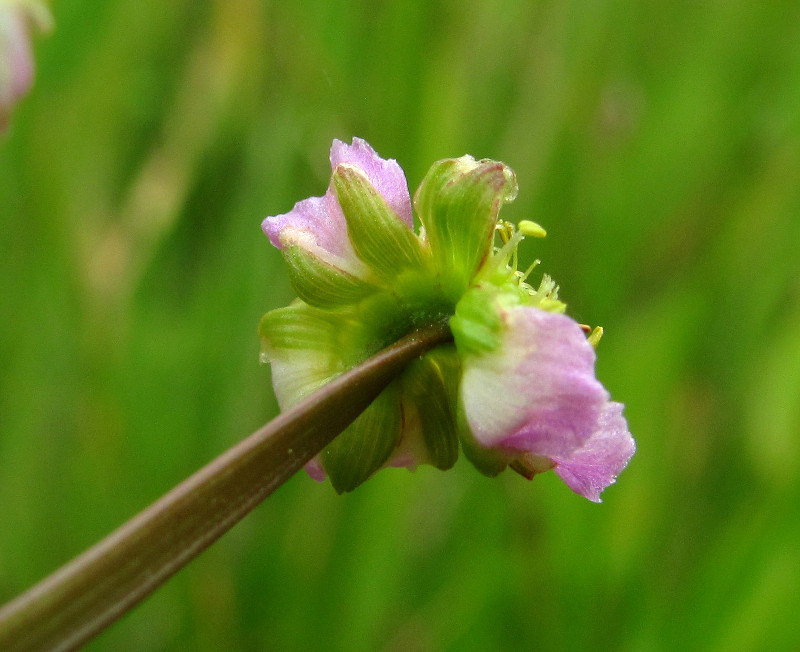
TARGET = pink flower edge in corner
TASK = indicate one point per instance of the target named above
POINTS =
(17, 20)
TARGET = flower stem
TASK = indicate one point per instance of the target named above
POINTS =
(86, 595)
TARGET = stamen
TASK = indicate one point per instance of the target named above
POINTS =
(505, 230)
(594, 338)
(530, 269)
(510, 242)
(505, 259)
(532, 229)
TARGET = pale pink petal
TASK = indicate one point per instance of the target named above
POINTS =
(316, 222)
(538, 395)
(598, 463)
(318, 225)
(538, 392)
(315, 470)
(386, 175)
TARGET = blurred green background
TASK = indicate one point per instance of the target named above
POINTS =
(659, 144)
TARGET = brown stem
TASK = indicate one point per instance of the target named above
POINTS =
(83, 597)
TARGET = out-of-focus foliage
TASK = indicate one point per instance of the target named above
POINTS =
(658, 143)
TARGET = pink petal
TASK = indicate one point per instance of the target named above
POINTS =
(315, 470)
(313, 222)
(385, 175)
(317, 224)
(538, 392)
(538, 395)
(597, 465)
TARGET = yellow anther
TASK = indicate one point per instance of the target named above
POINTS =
(532, 229)
(594, 338)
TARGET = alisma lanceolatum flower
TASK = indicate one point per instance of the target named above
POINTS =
(516, 388)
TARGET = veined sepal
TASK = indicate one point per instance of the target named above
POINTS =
(458, 202)
(366, 445)
(379, 237)
(307, 347)
(430, 390)
(320, 283)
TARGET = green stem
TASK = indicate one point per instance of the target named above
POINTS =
(83, 597)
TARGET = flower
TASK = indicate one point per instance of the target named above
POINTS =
(534, 402)
(517, 388)
(364, 279)
(16, 56)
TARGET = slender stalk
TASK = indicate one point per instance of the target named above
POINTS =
(83, 597)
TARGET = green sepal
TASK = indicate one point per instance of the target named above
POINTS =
(430, 388)
(319, 283)
(379, 237)
(476, 324)
(458, 202)
(307, 347)
(365, 446)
